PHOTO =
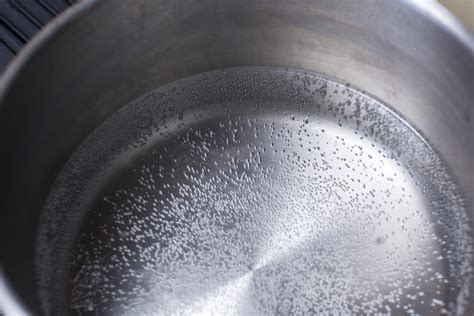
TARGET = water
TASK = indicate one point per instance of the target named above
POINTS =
(256, 191)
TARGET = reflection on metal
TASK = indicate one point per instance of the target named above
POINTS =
(256, 191)
(72, 77)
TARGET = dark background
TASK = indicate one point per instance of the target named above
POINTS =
(21, 19)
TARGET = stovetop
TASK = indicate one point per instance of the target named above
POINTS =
(20, 20)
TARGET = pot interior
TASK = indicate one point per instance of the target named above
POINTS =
(241, 156)
(256, 190)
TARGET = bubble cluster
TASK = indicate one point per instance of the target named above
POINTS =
(258, 191)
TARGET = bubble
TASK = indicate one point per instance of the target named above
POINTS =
(257, 190)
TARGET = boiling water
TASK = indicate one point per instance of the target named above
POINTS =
(256, 191)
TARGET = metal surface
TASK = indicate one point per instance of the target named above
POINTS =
(382, 49)
(253, 191)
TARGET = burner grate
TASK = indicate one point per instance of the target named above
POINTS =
(20, 20)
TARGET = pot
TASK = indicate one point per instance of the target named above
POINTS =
(240, 157)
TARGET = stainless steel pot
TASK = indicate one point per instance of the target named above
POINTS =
(413, 60)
